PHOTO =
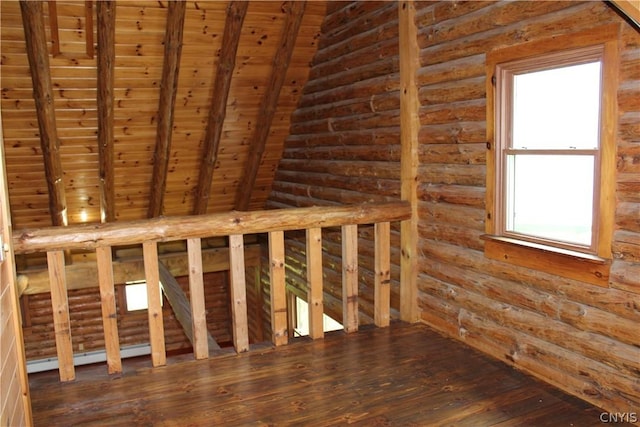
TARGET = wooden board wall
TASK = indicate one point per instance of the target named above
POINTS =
(139, 54)
(86, 323)
(344, 148)
(15, 401)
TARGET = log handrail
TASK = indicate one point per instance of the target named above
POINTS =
(162, 229)
(234, 225)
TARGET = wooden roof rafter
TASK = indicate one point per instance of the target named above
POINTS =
(168, 90)
(282, 58)
(236, 11)
(38, 55)
(106, 17)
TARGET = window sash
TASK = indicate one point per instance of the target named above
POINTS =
(507, 222)
(505, 74)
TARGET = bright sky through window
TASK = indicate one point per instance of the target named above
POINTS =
(552, 196)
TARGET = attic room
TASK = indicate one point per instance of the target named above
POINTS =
(288, 212)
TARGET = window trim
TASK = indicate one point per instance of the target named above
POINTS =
(562, 260)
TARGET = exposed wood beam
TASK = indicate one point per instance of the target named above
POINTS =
(38, 54)
(106, 16)
(53, 28)
(83, 275)
(630, 8)
(409, 129)
(180, 306)
(281, 60)
(88, 19)
(236, 12)
(168, 90)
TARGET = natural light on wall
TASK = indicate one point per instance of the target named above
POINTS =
(302, 320)
(136, 295)
(548, 195)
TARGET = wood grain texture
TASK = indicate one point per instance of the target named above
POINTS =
(350, 278)
(414, 377)
(61, 320)
(236, 11)
(165, 117)
(211, 225)
(154, 310)
(196, 297)
(282, 58)
(109, 311)
(238, 293)
(315, 292)
(37, 53)
(278, 294)
(106, 17)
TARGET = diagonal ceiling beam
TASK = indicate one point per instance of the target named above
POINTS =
(281, 60)
(168, 90)
(236, 12)
(106, 17)
(38, 54)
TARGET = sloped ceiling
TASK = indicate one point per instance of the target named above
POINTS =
(108, 127)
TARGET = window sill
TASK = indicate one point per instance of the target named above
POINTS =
(566, 263)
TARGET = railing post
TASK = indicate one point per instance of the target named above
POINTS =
(382, 286)
(61, 320)
(238, 293)
(314, 283)
(109, 312)
(350, 278)
(278, 295)
(156, 326)
(196, 296)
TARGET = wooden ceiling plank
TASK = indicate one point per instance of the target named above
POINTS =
(88, 18)
(106, 17)
(230, 41)
(169, 88)
(53, 26)
(281, 60)
(38, 55)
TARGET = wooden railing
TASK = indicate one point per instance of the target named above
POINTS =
(102, 237)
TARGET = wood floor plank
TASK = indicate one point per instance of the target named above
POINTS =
(396, 376)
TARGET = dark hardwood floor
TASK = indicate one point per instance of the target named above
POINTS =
(399, 376)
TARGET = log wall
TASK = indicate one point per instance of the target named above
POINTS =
(344, 147)
(86, 321)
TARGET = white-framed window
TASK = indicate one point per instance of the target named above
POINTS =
(551, 121)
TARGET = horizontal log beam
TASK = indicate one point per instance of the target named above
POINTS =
(85, 274)
(91, 236)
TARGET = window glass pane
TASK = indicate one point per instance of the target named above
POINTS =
(136, 296)
(550, 197)
(557, 108)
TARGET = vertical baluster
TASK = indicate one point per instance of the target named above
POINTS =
(156, 327)
(278, 295)
(196, 294)
(350, 278)
(61, 320)
(382, 291)
(238, 293)
(314, 283)
(109, 312)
